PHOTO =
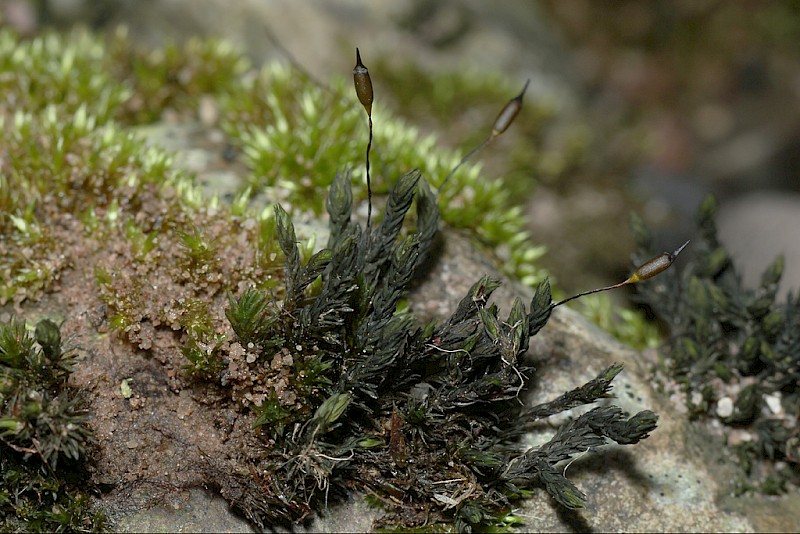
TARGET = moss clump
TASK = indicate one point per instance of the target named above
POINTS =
(43, 434)
(735, 353)
(342, 386)
(426, 420)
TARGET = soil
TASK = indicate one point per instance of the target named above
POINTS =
(170, 431)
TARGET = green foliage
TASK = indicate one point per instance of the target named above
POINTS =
(63, 150)
(69, 165)
(67, 74)
(203, 352)
(629, 326)
(41, 422)
(446, 395)
(172, 77)
(294, 137)
(249, 317)
(32, 500)
(199, 251)
(734, 343)
(39, 415)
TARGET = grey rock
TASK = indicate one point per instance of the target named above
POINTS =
(193, 511)
(756, 228)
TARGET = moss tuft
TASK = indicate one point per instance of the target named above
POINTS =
(43, 433)
(734, 351)
(353, 389)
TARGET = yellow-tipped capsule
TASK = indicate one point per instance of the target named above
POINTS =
(363, 84)
(648, 269)
(509, 113)
(652, 267)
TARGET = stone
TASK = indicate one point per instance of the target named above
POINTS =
(755, 228)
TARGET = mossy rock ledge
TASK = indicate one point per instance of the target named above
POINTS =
(160, 439)
(141, 269)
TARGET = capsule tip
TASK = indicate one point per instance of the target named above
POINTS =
(524, 88)
(675, 254)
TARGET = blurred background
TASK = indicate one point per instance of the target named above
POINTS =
(644, 106)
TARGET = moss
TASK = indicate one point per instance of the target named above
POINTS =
(294, 137)
(349, 389)
(734, 353)
(342, 385)
(628, 325)
(43, 434)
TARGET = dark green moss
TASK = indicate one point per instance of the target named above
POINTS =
(387, 390)
(731, 344)
(43, 435)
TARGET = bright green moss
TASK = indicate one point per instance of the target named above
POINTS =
(68, 73)
(629, 326)
(68, 102)
(61, 95)
(173, 77)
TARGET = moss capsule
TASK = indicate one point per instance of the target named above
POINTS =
(501, 124)
(648, 269)
(509, 113)
(363, 84)
(652, 267)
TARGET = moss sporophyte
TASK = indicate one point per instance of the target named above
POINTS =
(317, 378)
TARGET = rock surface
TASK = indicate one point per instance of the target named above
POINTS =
(757, 227)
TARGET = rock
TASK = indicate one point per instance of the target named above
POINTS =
(196, 511)
(755, 228)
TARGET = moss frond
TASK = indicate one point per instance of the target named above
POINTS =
(42, 428)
